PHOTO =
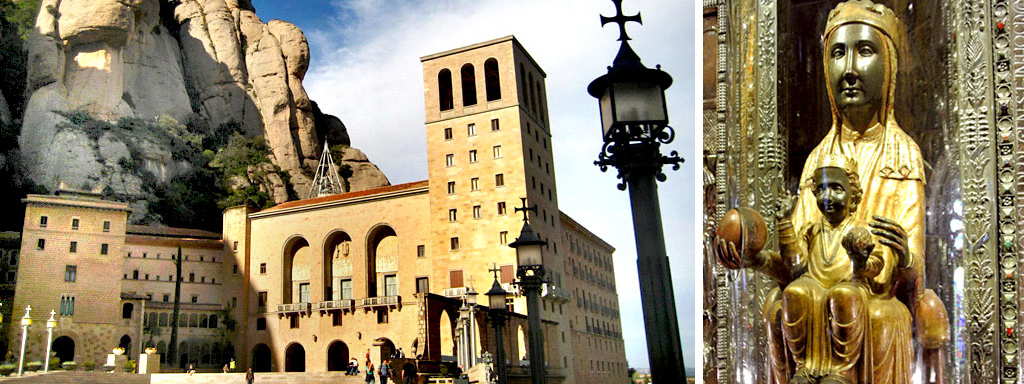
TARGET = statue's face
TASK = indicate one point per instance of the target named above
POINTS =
(856, 67)
(832, 193)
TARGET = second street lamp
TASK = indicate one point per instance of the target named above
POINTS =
(530, 257)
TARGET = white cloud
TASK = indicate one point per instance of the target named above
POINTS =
(366, 70)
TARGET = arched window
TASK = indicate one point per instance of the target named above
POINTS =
(531, 86)
(468, 85)
(126, 310)
(492, 80)
(213, 321)
(444, 90)
(540, 100)
(524, 86)
(163, 319)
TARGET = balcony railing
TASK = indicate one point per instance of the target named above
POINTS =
(455, 292)
(293, 308)
(380, 301)
(343, 304)
(556, 293)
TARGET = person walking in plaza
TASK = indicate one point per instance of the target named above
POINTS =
(249, 376)
(384, 371)
(369, 372)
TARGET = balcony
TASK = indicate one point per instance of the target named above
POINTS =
(556, 293)
(380, 301)
(343, 305)
(455, 292)
(293, 308)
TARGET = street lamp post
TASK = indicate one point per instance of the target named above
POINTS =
(496, 302)
(470, 301)
(530, 257)
(26, 321)
(50, 324)
(634, 122)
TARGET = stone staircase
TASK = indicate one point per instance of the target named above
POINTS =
(61, 377)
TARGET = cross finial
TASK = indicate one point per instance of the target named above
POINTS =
(524, 209)
(621, 20)
(494, 270)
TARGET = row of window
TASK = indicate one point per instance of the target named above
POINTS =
(467, 74)
(532, 93)
(185, 320)
(136, 275)
(474, 183)
(73, 247)
(453, 242)
(471, 130)
(202, 258)
(453, 213)
(44, 221)
(449, 159)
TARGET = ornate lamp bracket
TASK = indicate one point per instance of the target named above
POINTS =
(636, 150)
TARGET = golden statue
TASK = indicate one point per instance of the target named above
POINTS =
(844, 310)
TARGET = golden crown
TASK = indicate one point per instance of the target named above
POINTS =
(866, 12)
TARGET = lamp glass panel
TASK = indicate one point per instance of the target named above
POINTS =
(638, 101)
(529, 254)
(607, 116)
(496, 301)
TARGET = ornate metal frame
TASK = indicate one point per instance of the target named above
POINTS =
(987, 77)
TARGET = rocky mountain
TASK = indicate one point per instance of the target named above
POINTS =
(160, 73)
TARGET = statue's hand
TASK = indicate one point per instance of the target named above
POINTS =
(786, 206)
(892, 235)
(728, 255)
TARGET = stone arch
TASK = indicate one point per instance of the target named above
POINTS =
(447, 326)
(530, 90)
(521, 340)
(126, 343)
(445, 98)
(492, 79)
(295, 358)
(336, 262)
(64, 348)
(381, 255)
(468, 77)
(386, 347)
(261, 358)
(296, 247)
(337, 356)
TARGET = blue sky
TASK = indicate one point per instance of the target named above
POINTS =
(365, 69)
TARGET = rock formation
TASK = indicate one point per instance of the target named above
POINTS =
(212, 63)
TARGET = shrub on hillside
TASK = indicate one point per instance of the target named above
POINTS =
(33, 366)
(69, 365)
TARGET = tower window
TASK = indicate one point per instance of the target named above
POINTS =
(444, 90)
(495, 126)
(70, 273)
(74, 224)
(472, 156)
(476, 211)
(468, 85)
(421, 250)
(454, 243)
(503, 237)
(497, 151)
(499, 181)
(104, 249)
(449, 160)
(492, 80)
(106, 226)
(501, 207)
(522, 86)
(263, 268)
(453, 215)
(474, 184)
(74, 247)
(471, 130)
(42, 221)
(448, 133)
(451, 187)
